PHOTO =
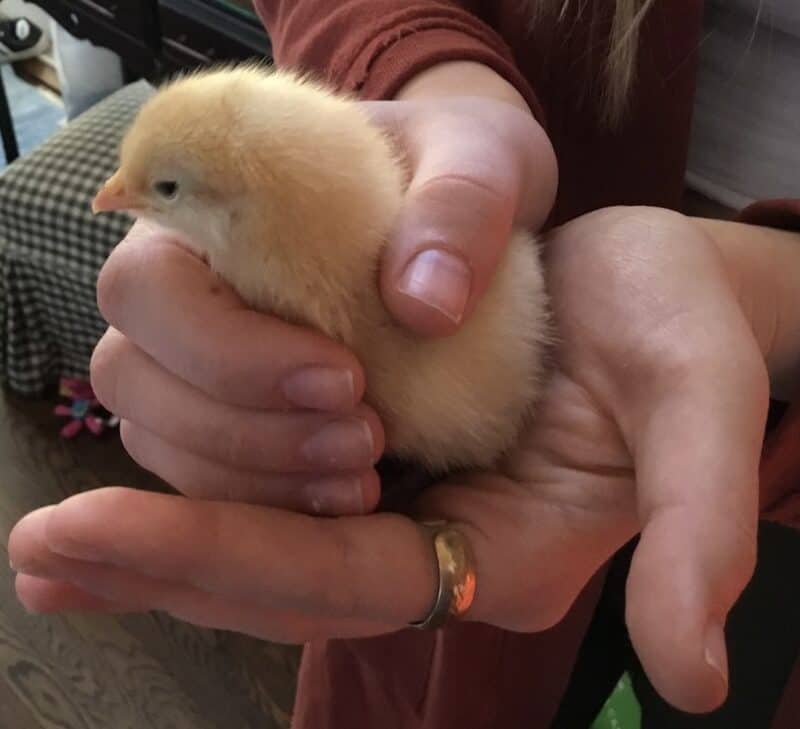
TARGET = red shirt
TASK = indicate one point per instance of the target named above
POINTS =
(372, 47)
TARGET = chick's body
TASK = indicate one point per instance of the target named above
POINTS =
(291, 193)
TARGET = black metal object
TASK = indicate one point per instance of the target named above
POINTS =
(156, 38)
(129, 27)
(19, 36)
(7, 127)
(202, 32)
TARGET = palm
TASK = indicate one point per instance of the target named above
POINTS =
(635, 350)
(563, 505)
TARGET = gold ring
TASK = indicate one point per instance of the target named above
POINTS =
(456, 563)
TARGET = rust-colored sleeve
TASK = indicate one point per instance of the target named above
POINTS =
(780, 463)
(372, 47)
(783, 213)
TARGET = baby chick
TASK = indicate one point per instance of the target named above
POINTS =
(290, 192)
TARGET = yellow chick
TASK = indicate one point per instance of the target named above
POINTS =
(290, 192)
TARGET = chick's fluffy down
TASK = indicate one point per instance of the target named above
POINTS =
(291, 193)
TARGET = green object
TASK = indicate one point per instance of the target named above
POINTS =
(621, 710)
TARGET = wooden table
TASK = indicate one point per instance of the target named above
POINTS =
(144, 671)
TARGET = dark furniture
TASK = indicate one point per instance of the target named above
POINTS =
(10, 147)
(155, 38)
(158, 37)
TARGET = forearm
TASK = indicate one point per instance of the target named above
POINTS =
(374, 48)
(764, 266)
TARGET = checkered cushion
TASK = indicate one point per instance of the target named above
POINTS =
(52, 247)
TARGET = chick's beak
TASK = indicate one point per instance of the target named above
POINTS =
(113, 196)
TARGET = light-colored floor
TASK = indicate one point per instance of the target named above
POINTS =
(114, 672)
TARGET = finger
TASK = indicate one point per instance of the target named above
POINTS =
(44, 590)
(50, 582)
(697, 469)
(46, 595)
(127, 592)
(202, 478)
(463, 198)
(378, 569)
(283, 561)
(263, 440)
(172, 306)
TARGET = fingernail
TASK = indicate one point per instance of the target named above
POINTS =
(440, 280)
(343, 444)
(336, 496)
(716, 654)
(320, 388)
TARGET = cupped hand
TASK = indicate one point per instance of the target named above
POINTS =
(221, 401)
(478, 168)
(652, 422)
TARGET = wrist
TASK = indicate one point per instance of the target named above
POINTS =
(461, 78)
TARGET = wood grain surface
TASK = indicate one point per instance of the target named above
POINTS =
(79, 671)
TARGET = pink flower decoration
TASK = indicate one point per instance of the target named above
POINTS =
(81, 409)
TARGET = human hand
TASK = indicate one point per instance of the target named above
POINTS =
(480, 164)
(221, 401)
(653, 421)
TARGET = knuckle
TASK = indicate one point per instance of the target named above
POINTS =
(238, 444)
(112, 285)
(620, 239)
(341, 597)
(663, 358)
(543, 611)
(376, 428)
(130, 442)
(104, 369)
(127, 436)
(678, 353)
(232, 490)
(236, 439)
(446, 183)
(131, 437)
(221, 373)
(140, 447)
(482, 199)
(129, 265)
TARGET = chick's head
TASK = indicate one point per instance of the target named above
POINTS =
(175, 166)
(229, 155)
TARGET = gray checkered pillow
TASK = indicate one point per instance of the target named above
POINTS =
(52, 247)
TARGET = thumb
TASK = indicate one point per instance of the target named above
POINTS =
(697, 472)
(470, 185)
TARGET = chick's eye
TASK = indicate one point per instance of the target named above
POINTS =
(168, 189)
